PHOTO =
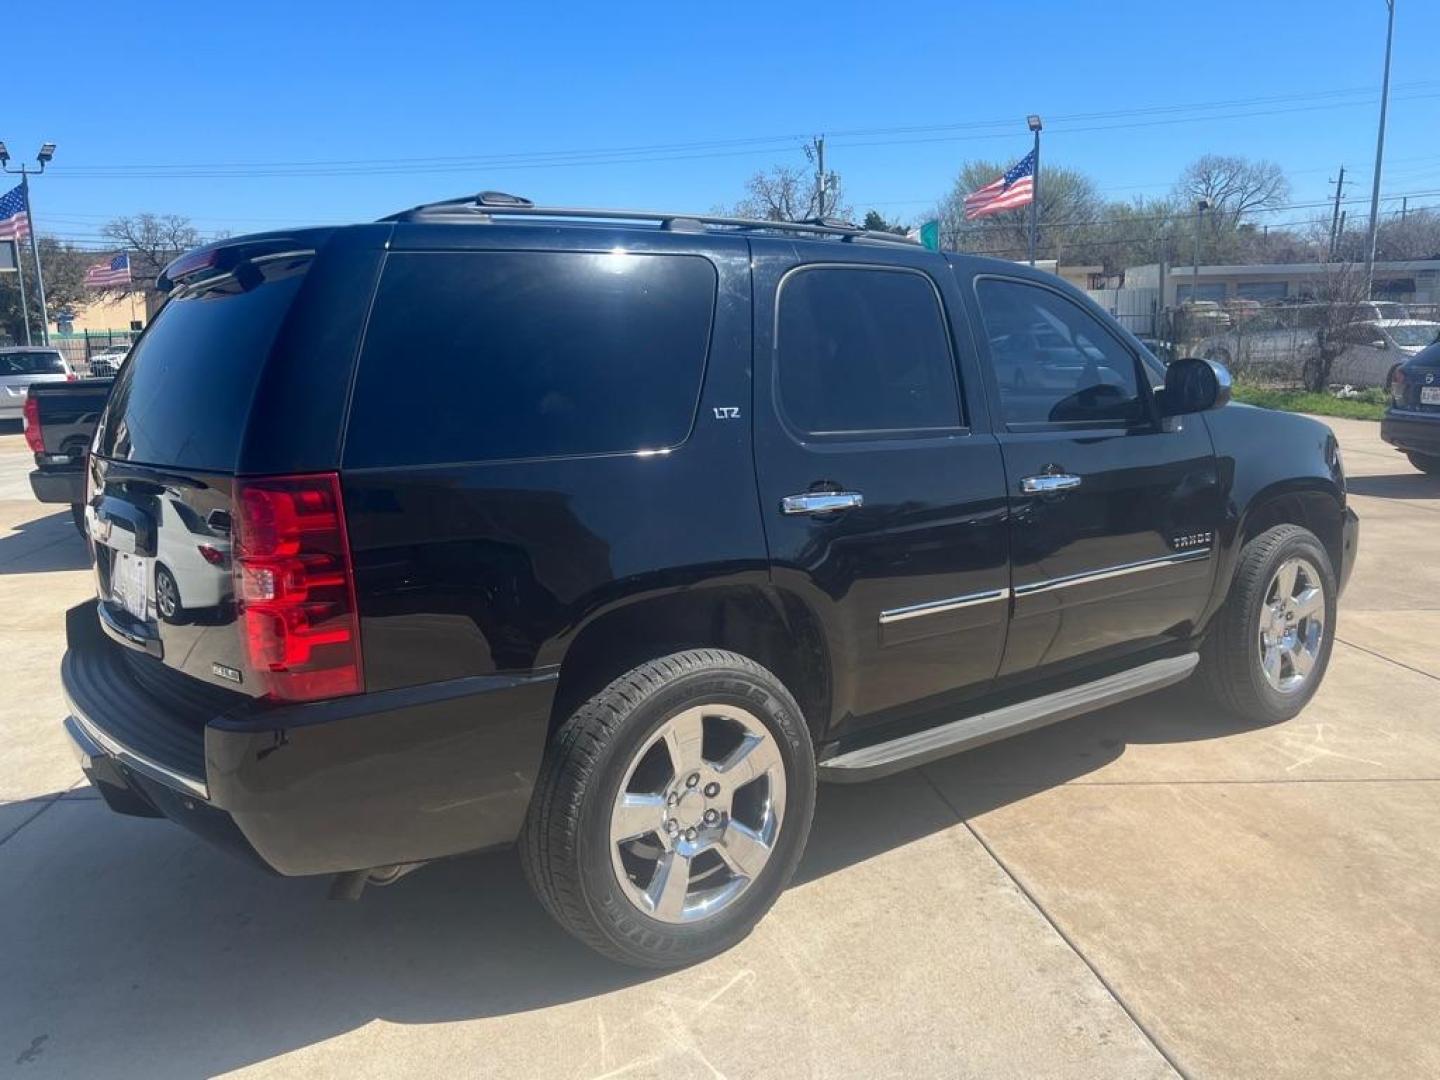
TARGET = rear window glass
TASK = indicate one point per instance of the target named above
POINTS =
(184, 396)
(487, 356)
(31, 362)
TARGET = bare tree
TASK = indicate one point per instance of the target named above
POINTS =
(1235, 187)
(1343, 291)
(153, 241)
(786, 193)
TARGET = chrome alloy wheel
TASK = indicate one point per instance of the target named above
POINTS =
(698, 813)
(1292, 625)
(167, 596)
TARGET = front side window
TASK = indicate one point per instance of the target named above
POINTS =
(863, 350)
(1055, 362)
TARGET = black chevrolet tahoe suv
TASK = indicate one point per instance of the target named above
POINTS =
(607, 534)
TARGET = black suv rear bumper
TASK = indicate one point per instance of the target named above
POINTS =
(58, 485)
(349, 784)
(1413, 431)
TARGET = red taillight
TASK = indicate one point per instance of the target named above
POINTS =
(214, 556)
(1397, 384)
(295, 588)
(34, 438)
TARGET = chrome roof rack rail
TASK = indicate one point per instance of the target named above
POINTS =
(490, 205)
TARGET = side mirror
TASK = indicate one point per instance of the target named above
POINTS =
(1193, 385)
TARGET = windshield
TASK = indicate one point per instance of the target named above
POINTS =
(1415, 337)
(32, 362)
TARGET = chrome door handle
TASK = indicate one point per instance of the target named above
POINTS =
(821, 502)
(1046, 483)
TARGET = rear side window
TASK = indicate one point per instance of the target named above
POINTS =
(184, 396)
(31, 362)
(489, 356)
(862, 350)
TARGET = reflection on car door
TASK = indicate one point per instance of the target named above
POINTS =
(1113, 513)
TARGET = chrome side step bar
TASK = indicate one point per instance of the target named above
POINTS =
(873, 762)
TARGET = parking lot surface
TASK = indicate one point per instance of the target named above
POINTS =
(1146, 891)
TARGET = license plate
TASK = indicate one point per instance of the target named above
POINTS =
(130, 584)
(1430, 395)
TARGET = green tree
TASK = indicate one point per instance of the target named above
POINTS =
(875, 222)
(1069, 203)
(65, 267)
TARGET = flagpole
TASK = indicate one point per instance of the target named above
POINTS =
(1035, 126)
(35, 254)
(20, 279)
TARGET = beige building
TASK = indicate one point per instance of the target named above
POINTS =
(100, 315)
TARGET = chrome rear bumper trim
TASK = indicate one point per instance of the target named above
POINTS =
(86, 729)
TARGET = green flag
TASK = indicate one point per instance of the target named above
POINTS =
(930, 235)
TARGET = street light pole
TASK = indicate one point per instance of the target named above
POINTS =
(1035, 125)
(47, 151)
(1379, 157)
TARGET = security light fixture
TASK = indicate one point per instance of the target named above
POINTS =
(47, 151)
(1033, 122)
(4, 154)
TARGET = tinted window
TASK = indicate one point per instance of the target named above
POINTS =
(31, 362)
(476, 356)
(1054, 361)
(864, 350)
(185, 394)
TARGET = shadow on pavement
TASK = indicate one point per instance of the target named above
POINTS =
(1409, 485)
(43, 544)
(130, 943)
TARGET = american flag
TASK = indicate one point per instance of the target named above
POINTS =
(14, 219)
(1013, 190)
(115, 272)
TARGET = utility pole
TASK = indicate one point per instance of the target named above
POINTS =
(1033, 122)
(47, 151)
(1404, 206)
(1379, 155)
(1335, 217)
(815, 151)
(1160, 292)
(1200, 207)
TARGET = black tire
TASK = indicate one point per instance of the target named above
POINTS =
(1230, 668)
(164, 580)
(1426, 463)
(565, 844)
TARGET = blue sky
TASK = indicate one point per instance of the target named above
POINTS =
(219, 117)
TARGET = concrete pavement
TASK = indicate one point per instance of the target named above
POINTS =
(1146, 890)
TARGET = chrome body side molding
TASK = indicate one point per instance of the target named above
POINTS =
(936, 607)
(1123, 569)
(882, 759)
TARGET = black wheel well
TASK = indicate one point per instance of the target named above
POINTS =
(1315, 510)
(770, 627)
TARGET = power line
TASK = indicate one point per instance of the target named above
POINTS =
(979, 130)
